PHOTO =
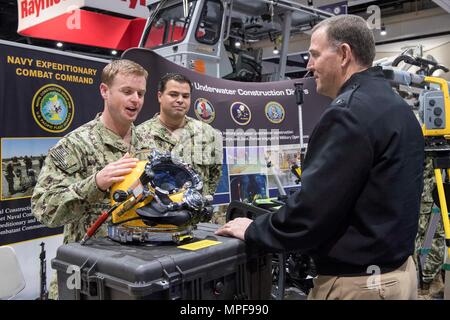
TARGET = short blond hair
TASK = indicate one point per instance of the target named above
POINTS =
(122, 66)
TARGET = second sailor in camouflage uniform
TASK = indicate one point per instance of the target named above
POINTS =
(194, 141)
(435, 257)
(72, 188)
(188, 147)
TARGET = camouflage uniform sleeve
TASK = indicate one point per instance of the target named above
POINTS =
(429, 182)
(64, 192)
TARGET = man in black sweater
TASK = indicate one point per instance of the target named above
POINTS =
(357, 210)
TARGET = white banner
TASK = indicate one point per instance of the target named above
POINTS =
(34, 12)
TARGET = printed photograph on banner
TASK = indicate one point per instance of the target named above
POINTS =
(21, 162)
(286, 157)
(248, 187)
(224, 183)
(246, 160)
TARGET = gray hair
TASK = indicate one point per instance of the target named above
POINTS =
(352, 30)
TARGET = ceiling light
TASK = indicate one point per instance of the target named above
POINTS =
(305, 57)
(275, 50)
(113, 52)
(59, 44)
(237, 44)
(383, 30)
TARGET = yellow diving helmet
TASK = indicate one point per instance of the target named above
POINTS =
(160, 200)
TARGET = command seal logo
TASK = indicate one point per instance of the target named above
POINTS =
(240, 113)
(274, 112)
(53, 108)
(204, 110)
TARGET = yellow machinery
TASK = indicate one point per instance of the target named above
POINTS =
(434, 109)
(434, 116)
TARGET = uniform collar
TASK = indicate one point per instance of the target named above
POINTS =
(167, 136)
(112, 139)
(357, 78)
(156, 119)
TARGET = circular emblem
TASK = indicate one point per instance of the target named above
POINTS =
(204, 110)
(53, 108)
(274, 112)
(240, 113)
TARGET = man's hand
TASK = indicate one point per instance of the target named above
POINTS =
(234, 228)
(115, 172)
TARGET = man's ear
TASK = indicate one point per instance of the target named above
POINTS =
(103, 90)
(347, 54)
(159, 96)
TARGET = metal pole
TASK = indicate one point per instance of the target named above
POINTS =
(300, 8)
(299, 100)
(284, 46)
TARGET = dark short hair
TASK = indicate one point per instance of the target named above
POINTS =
(178, 77)
(352, 30)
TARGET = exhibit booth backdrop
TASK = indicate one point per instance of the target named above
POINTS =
(45, 94)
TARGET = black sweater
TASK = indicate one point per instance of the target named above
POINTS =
(361, 184)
